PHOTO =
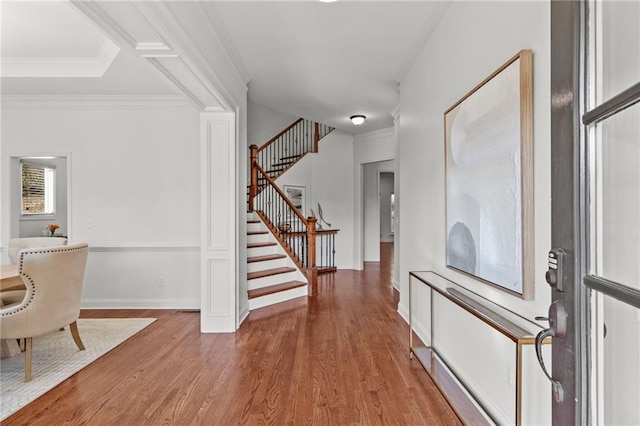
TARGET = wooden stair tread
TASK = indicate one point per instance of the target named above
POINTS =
(257, 232)
(258, 292)
(284, 163)
(261, 244)
(253, 221)
(265, 258)
(290, 157)
(269, 272)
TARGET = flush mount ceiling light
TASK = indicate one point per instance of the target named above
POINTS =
(358, 119)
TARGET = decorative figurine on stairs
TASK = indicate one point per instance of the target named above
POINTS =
(321, 218)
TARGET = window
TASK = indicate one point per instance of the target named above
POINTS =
(38, 188)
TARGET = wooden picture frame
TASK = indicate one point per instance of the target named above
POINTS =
(297, 195)
(489, 179)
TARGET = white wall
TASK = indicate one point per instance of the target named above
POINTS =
(134, 192)
(473, 40)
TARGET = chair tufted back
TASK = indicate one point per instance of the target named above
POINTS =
(53, 277)
(17, 244)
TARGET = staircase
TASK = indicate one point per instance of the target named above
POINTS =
(272, 275)
(282, 259)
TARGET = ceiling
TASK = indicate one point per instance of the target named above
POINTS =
(322, 61)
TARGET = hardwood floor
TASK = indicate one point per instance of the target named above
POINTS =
(339, 358)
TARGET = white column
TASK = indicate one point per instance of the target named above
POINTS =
(218, 223)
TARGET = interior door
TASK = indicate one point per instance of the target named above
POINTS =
(595, 260)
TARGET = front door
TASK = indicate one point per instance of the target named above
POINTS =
(595, 138)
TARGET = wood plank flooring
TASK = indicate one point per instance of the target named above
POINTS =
(339, 358)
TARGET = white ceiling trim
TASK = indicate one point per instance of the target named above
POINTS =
(155, 50)
(217, 24)
(163, 53)
(62, 67)
(213, 88)
(386, 133)
(432, 23)
(94, 102)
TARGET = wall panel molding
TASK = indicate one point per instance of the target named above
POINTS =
(218, 257)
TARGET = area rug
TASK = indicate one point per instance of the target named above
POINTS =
(56, 358)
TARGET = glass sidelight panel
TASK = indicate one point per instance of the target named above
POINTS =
(618, 47)
(617, 177)
(617, 362)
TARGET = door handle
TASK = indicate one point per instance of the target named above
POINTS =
(557, 328)
(556, 386)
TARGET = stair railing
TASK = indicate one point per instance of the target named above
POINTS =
(285, 149)
(296, 234)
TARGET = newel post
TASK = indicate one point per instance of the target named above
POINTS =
(316, 136)
(253, 188)
(312, 269)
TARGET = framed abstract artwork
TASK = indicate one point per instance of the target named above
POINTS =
(489, 179)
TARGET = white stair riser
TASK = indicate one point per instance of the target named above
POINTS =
(259, 238)
(274, 298)
(252, 227)
(296, 275)
(262, 251)
(267, 264)
(271, 280)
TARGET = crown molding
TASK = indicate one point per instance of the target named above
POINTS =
(95, 102)
(434, 19)
(210, 12)
(395, 113)
(62, 67)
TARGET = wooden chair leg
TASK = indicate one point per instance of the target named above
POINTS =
(76, 336)
(27, 360)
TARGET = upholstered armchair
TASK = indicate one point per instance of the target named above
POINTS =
(53, 277)
(17, 244)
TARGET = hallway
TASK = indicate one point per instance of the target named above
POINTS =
(338, 358)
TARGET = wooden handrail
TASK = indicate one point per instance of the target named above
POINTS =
(287, 248)
(253, 188)
(270, 141)
(316, 136)
(285, 198)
